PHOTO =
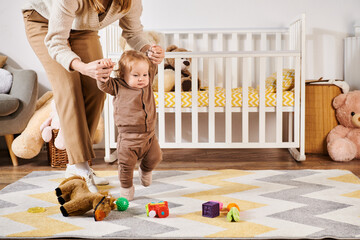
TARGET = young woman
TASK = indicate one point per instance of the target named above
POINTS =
(64, 36)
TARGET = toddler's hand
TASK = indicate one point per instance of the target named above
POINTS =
(107, 65)
(156, 54)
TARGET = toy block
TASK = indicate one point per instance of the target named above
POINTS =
(210, 209)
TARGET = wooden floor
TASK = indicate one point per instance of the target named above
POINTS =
(189, 159)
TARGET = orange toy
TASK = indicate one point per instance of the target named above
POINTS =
(231, 205)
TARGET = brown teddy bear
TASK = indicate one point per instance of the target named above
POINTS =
(76, 199)
(343, 141)
(169, 72)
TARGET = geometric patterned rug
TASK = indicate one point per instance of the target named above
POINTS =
(274, 204)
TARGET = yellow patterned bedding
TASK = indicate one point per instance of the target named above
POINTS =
(236, 98)
(236, 94)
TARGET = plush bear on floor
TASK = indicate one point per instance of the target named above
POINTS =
(28, 144)
(169, 72)
(343, 141)
(76, 199)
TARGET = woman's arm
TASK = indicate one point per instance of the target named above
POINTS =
(60, 22)
(62, 15)
(95, 69)
(132, 29)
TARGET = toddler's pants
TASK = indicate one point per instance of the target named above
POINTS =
(134, 146)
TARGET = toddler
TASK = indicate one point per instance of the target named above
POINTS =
(135, 118)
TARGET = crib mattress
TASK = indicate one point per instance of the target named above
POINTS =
(236, 99)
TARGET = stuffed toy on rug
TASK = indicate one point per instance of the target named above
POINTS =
(29, 143)
(76, 199)
(343, 141)
(169, 72)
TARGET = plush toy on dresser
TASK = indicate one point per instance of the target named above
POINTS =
(169, 72)
(343, 141)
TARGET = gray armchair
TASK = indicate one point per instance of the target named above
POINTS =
(18, 106)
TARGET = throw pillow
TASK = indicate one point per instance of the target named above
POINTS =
(287, 83)
(5, 81)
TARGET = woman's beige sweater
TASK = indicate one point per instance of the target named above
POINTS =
(64, 15)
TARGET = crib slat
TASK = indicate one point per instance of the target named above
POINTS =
(278, 41)
(228, 102)
(194, 114)
(191, 42)
(206, 41)
(302, 43)
(220, 38)
(245, 102)
(220, 61)
(234, 47)
(177, 39)
(205, 74)
(161, 103)
(297, 101)
(178, 125)
(292, 36)
(262, 115)
(263, 41)
(249, 46)
(279, 96)
(211, 114)
(291, 127)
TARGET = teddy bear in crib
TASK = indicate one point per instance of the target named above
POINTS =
(343, 141)
(169, 72)
(76, 199)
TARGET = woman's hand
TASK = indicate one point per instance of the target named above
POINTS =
(156, 54)
(98, 69)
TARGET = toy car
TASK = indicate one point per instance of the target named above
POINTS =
(160, 209)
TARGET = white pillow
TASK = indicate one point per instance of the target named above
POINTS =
(5, 81)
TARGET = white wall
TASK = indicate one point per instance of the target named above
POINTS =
(328, 22)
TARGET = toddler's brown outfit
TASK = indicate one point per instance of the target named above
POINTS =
(135, 118)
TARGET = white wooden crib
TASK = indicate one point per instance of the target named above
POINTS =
(235, 66)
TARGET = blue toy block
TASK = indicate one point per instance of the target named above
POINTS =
(210, 209)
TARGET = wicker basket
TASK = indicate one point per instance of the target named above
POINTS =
(57, 158)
